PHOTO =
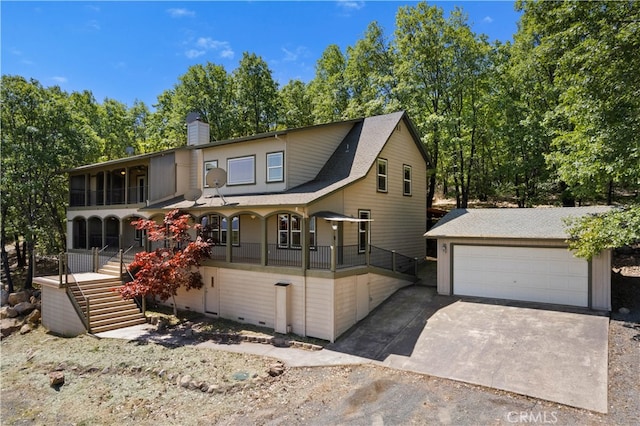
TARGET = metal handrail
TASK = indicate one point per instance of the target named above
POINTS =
(103, 248)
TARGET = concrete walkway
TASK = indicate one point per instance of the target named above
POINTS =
(552, 355)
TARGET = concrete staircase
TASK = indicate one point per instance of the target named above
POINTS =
(109, 311)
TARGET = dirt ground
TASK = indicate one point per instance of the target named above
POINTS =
(116, 382)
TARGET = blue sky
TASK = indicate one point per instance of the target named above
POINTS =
(136, 50)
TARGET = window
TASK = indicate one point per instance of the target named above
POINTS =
(275, 167)
(312, 231)
(214, 229)
(363, 230)
(290, 231)
(406, 180)
(241, 171)
(208, 165)
(382, 175)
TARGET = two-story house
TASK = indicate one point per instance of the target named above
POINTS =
(311, 227)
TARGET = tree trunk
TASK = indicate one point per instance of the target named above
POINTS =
(28, 251)
(22, 261)
(175, 308)
(4, 254)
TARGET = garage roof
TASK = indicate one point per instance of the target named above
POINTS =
(531, 223)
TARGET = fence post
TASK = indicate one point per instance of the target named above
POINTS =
(94, 257)
(393, 260)
(121, 256)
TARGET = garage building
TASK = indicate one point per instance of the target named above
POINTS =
(519, 254)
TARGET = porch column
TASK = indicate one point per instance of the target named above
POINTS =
(264, 241)
(304, 225)
(229, 238)
(104, 232)
(334, 246)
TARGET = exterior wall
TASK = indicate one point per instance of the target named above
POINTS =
(600, 266)
(399, 221)
(345, 301)
(601, 281)
(58, 314)
(182, 174)
(259, 149)
(162, 177)
(381, 287)
(308, 151)
(319, 308)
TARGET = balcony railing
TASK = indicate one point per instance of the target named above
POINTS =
(81, 197)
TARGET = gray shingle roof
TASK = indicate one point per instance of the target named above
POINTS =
(531, 223)
(350, 162)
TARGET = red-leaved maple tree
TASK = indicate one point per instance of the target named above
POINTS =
(162, 272)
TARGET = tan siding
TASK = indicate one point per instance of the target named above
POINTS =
(601, 281)
(183, 172)
(246, 296)
(192, 300)
(162, 176)
(309, 150)
(399, 222)
(58, 314)
(345, 304)
(381, 287)
(319, 308)
(259, 149)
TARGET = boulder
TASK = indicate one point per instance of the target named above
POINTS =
(9, 326)
(24, 308)
(8, 312)
(4, 297)
(26, 328)
(184, 381)
(34, 317)
(56, 378)
(18, 297)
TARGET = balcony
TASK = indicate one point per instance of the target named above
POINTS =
(112, 197)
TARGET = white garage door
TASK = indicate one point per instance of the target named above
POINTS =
(547, 275)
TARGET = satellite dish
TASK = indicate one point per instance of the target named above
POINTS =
(193, 116)
(129, 150)
(193, 194)
(216, 178)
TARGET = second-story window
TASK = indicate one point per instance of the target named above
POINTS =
(406, 180)
(241, 170)
(275, 166)
(208, 165)
(382, 174)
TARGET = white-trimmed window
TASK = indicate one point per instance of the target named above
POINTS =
(382, 165)
(363, 230)
(208, 165)
(241, 170)
(290, 231)
(312, 231)
(275, 166)
(406, 180)
(214, 228)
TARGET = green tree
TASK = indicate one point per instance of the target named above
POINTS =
(40, 138)
(295, 106)
(256, 96)
(328, 89)
(369, 75)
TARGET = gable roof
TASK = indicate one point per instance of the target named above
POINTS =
(530, 223)
(349, 163)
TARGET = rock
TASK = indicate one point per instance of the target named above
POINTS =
(213, 388)
(194, 385)
(33, 300)
(276, 369)
(4, 297)
(105, 370)
(26, 328)
(24, 308)
(19, 297)
(188, 333)
(56, 378)
(184, 381)
(9, 325)
(204, 387)
(34, 317)
(624, 311)
(8, 312)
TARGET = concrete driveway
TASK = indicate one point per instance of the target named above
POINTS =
(528, 349)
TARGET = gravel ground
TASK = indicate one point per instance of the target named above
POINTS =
(116, 382)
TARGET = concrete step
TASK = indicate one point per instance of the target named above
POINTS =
(99, 315)
(109, 307)
(115, 326)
